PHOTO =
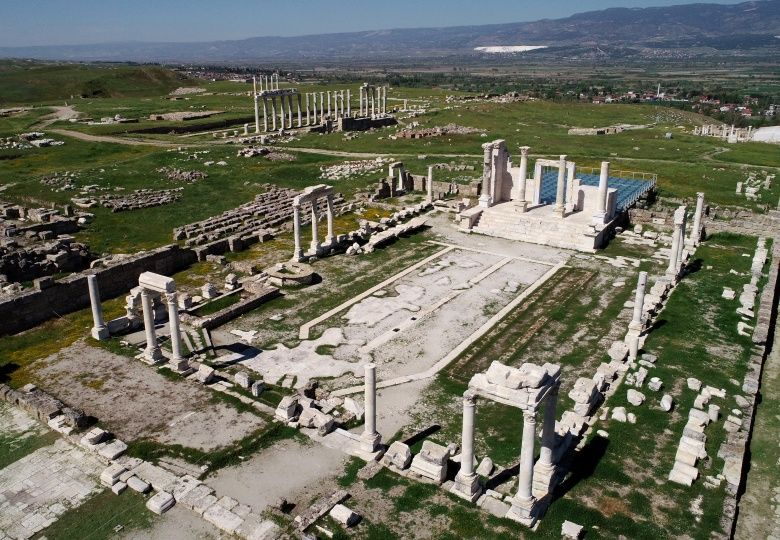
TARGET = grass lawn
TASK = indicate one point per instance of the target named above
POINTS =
(100, 516)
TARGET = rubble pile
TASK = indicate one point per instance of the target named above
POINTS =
(178, 175)
(438, 131)
(60, 181)
(352, 168)
(140, 198)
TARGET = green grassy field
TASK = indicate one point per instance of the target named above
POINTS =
(24, 82)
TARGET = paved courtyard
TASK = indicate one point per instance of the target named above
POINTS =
(37, 489)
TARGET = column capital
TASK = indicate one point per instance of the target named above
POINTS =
(563, 157)
(171, 297)
(470, 398)
(524, 150)
(529, 416)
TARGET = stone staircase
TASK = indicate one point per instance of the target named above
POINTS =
(509, 224)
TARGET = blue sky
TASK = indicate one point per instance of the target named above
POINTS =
(56, 22)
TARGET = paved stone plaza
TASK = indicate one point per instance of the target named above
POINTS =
(43, 485)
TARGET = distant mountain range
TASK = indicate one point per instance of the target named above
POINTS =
(684, 31)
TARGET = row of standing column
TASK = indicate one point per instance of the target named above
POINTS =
(373, 100)
(152, 351)
(267, 82)
(466, 479)
(285, 116)
(331, 104)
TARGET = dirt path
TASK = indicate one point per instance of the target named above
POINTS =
(65, 113)
(115, 140)
(759, 511)
(59, 113)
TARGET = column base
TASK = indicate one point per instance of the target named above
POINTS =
(153, 356)
(100, 333)
(298, 255)
(523, 511)
(599, 218)
(521, 207)
(179, 365)
(369, 442)
(467, 487)
(561, 212)
(484, 201)
(545, 479)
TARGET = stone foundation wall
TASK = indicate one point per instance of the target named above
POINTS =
(737, 444)
(71, 294)
(43, 406)
(364, 124)
(231, 312)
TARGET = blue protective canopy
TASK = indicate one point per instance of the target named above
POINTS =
(628, 189)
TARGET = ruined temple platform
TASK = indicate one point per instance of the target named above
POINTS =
(541, 225)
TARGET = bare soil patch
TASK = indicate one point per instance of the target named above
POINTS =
(135, 401)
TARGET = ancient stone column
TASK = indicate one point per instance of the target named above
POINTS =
(300, 113)
(696, 232)
(349, 103)
(173, 321)
(430, 183)
(152, 352)
(257, 115)
(273, 113)
(265, 116)
(600, 217)
(560, 189)
(370, 438)
(526, 477)
(329, 115)
(674, 252)
(521, 199)
(314, 98)
(570, 173)
(308, 112)
(331, 237)
(297, 250)
(315, 243)
(537, 198)
(681, 245)
(639, 299)
(322, 107)
(373, 103)
(523, 501)
(546, 452)
(487, 164)
(99, 328)
(466, 481)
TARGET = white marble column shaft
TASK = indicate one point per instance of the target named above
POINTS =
(99, 328)
(152, 352)
(560, 188)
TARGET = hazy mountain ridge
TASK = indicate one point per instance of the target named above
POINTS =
(620, 31)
